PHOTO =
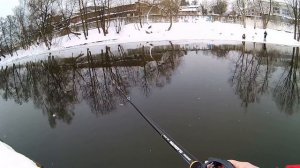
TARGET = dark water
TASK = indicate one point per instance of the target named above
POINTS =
(226, 101)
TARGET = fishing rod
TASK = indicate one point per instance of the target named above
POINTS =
(187, 157)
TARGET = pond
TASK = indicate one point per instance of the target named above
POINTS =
(231, 101)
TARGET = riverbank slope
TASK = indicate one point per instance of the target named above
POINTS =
(198, 30)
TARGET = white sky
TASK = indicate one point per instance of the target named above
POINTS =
(6, 7)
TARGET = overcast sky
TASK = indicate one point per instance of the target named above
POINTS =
(6, 7)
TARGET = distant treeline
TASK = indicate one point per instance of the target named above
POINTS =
(36, 22)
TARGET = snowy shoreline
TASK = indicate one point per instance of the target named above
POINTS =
(199, 31)
(12, 159)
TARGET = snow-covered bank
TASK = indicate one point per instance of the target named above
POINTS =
(201, 30)
(12, 159)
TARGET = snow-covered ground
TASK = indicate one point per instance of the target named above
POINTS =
(193, 31)
(11, 159)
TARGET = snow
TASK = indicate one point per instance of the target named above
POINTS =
(195, 30)
(11, 159)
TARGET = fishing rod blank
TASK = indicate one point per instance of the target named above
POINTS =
(180, 151)
(190, 159)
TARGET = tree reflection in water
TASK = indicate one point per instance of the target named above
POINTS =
(286, 92)
(251, 74)
(253, 71)
(56, 85)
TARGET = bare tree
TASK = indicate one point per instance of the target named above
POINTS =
(41, 14)
(184, 3)
(22, 21)
(242, 8)
(293, 6)
(106, 21)
(171, 9)
(118, 21)
(219, 6)
(83, 16)
(204, 7)
(66, 11)
(139, 11)
(6, 36)
(104, 15)
(96, 9)
(12, 31)
(3, 38)
(264, 9)
(118, 24)
(194, 2)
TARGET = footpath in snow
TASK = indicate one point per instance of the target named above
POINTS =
(201, 30)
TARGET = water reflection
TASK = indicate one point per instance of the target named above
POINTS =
(251, 74)
(253, 71)
(55, 86)
(286, 92)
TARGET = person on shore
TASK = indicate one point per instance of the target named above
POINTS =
(265, 35)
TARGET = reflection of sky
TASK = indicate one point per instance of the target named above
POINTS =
(6, 7)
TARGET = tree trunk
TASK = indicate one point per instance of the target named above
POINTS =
(85, 20)
(244, 20)
(103, 20)
(108, 17)
(81, 17)
(295, 28)
(171, 21)
(264, 21)
(298, 27)
(97, 21)
(140, 13)
(296, 19)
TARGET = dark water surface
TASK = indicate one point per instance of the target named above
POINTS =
(228, 101)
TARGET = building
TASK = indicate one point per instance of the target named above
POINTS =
(191, 10)
(129, 10)
(279, 8)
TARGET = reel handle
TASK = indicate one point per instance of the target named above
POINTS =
(212, 163)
